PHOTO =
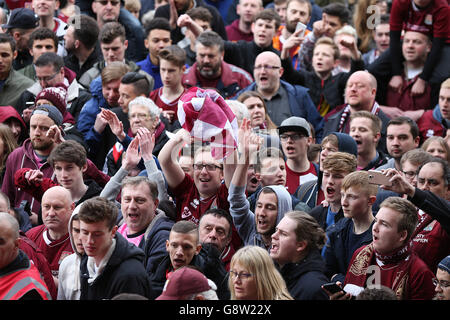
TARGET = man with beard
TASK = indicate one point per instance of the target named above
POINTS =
(80, 42)
(32, 154)
(296, 11)
(210, 71)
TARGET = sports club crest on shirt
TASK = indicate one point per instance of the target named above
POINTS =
(64, 254)
(428, 19)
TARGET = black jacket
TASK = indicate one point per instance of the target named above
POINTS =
(154, 241)
(243, 54)
(320, 214)
(92, 191)
(72, 62)
(304, 279)
(124, 273)
(209, 263)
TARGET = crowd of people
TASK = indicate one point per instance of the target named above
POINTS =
(224, 150)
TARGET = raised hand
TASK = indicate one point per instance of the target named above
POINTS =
(132, 155)
(54, 133)
(34, 177)
(114, 123)
(146, 143)
(173, 14)
(100, 122)
(294, 40)
(350, 43)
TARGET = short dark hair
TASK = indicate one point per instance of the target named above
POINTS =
(221, 213)
(98, 209)
(185, 227)
(110, 31)
(210, 38)
(7, 38)
(87, 31)
(200, 13)
(50, 58)
(269, 14)
(42, 33)
(174, 54)
(139, 82)
(384, 19)
(157, 23)
(68, 151)
(338, 10)
(398, 121)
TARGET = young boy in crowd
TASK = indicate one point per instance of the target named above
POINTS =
(69, 164)
(172, 60)
(335, 168)
(326, 90)
(355, 229)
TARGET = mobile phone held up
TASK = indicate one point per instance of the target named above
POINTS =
(376, 177)
(300, 26)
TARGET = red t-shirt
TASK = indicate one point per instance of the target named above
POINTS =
(54, 251)
(190, 207)
(432, 20)
(295, 179)
(156, 96)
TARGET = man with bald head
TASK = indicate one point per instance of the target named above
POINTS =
(53, 237)
(283, 100)
(19, 278)
(360, 93)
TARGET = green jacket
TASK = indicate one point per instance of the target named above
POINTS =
(15, 84)
(29, 71)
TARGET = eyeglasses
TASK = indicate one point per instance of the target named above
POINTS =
(141, 116)
(240, 276)
(209, 167)
(442, 284)
(409, 174)
(267, 67)
(294, 137)
(105, 2)
(47, 79)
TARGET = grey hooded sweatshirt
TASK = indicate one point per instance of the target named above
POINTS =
(69, 270)
(244, 218)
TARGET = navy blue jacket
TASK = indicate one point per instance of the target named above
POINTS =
(337, 258)
(304, 279)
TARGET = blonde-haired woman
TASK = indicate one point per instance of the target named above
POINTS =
(253, 276)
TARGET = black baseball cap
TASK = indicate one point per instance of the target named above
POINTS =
(22, 18)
